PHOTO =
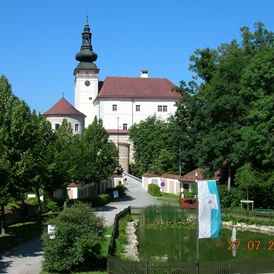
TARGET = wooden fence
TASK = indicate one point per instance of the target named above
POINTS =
(249, 213)
(241, 266)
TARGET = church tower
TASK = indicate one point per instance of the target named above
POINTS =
(86, 77)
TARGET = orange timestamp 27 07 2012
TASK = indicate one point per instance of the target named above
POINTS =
(250, 245)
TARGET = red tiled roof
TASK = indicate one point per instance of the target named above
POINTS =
(115, 131)
(63, 107)
(133, 87)
(191, 176)
(73, 185)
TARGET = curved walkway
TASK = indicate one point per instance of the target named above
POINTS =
(26, 258)
(136, 196)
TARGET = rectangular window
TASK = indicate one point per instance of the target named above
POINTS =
(162, 108)
(124, 126)
(138, 108)
(57, 126)
(114, 107)
(76, 127)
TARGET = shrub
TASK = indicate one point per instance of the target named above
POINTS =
(154, 190)
(105, 199)
(33, 201)
(230, 199)
(120, 188)
(79, 234)
(14, 205)
(52, 205)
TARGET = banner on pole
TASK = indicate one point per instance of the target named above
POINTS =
(209, 218)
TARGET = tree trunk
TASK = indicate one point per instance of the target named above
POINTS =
(2, 221)
(39, 202)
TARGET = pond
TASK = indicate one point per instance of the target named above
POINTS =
(179, 244)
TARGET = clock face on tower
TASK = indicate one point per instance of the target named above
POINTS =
(87, 83)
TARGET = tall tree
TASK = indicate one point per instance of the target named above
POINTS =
(15, 143)
(154, 148)
(96, 157)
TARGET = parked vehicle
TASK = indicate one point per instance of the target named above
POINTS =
(189, 202)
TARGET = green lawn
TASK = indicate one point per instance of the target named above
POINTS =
(169, 198)
(19, 232)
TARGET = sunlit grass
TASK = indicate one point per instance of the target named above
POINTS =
(18, 232)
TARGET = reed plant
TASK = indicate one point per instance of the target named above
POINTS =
(163, 214)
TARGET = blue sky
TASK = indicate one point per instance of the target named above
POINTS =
(39, 39)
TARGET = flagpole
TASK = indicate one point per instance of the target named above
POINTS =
(197, 225)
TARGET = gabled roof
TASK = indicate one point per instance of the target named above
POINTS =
(191, 176)
(63, 107)
(133, 87)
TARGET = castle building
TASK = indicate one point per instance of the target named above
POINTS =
(118, 101)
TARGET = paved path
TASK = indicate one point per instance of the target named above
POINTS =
(136, 196)
(27, 257)
(23, 259)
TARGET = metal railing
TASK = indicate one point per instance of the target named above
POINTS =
(132, 179)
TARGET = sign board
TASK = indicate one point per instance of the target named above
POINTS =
(162, 184)
(115, 194)
(51, 231)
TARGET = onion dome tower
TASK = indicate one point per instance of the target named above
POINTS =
(86, 77)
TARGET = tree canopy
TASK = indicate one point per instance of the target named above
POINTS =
(225, 118)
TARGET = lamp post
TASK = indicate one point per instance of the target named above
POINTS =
(118, 140)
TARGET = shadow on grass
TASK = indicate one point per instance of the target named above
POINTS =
(17, 233)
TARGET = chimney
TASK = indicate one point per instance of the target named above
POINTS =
(144, 73)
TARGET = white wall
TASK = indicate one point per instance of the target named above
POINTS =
(72, 119)
(85, 95)
(126, 111)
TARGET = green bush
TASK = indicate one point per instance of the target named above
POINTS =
(32, 201)
(121, 190)
(52, 205)
(105, 198)
(79, 234)
(230, 199)
(14, 205)
(154, 190)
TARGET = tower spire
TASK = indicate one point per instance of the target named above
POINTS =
(86, 56)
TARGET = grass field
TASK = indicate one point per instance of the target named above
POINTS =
(169, 198)
(19, 232)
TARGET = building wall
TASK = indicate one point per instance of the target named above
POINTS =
(72, 119)
(126, 113)
(171, 185)
(85, 95)
(124, 149)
